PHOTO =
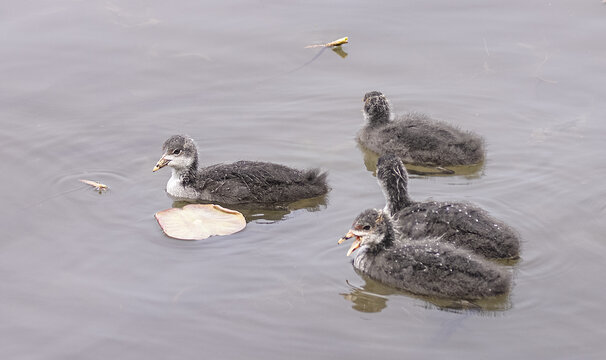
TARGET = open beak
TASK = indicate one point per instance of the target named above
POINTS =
(354, 245)
(161, 163)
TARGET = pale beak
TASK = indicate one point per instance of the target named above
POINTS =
(356, 244)
(348, 236)
(161, 163)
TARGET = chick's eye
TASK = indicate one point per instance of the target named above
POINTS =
(367, 227)
(177, 152)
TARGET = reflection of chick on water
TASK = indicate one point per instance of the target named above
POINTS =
(423, 267)
(369, 298)
(271, 213)
(373, 296)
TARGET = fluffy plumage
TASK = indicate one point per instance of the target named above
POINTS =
(425, 267)
(236, 183)
(461, 224)
(416, 138)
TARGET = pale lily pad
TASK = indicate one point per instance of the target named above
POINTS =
(199, 221)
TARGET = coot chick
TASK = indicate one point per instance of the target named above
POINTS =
(424, 267)
(462, 224)
(236, 183)
(416, 138)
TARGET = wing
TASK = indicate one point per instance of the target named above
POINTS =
(462, 224)
(253, 181)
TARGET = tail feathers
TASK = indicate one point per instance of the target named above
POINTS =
(317, 178)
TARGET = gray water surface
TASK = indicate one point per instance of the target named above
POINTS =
(91, 89)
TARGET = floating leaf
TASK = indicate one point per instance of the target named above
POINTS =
(199, 221)
(98, 186)
(337, 42)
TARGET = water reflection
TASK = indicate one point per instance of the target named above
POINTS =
(373, 296)
(469, 171)
(269, 213)
(339, 51)
(336, 49)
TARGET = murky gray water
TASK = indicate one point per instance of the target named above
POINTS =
(90, 89)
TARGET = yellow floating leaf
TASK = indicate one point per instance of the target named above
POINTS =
(341, 41)
(338, 42)
(199, 221)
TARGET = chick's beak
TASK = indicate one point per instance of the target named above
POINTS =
(348, 236)
(161, 163)
(354, 245)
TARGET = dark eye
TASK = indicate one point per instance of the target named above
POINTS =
(177, 152)
(367, 227)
